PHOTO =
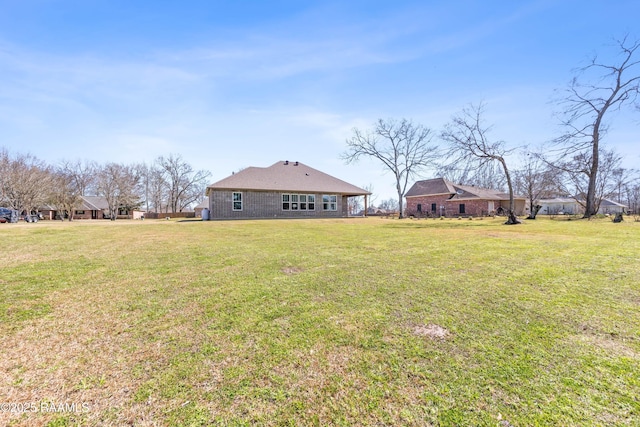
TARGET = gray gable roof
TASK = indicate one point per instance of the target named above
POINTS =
(203, 204)
(607, 202)
(286, 176)
(431, 187)
(94, 203)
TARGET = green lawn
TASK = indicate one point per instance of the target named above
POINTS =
(320, 322)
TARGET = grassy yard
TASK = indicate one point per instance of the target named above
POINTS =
(320, 322)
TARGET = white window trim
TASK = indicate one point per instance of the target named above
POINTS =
(290, 202)
(333, 206)
(233, 201)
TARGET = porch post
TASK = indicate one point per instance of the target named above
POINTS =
(366, 208)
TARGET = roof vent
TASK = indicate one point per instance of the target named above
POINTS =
(296, 164)
(286, 162)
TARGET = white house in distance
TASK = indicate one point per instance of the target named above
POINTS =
(571, 206)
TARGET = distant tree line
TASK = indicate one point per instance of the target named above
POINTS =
(167, 185)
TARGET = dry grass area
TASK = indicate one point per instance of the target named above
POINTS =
(325, 322)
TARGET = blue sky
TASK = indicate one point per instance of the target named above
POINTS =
(247, 83)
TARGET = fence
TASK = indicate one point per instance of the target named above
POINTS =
(161, 215)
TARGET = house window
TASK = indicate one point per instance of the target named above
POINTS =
(79, 212)
(298, 202)
(237, 201)
(434, 207)
(329, 202)
(461, 208)
(419, 207)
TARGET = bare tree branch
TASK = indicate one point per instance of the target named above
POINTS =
(403, 148)
(609, 87)
(468, 142)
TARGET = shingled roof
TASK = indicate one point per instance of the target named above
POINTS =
(439, 186)
(286, 176)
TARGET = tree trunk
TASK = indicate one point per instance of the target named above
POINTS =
(400, 204)
(511, 215)
(590, 203)
(534, 212)
(512, 219)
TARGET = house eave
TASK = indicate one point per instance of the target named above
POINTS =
(428, 195)
(287, 190)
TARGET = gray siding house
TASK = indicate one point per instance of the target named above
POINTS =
(282, 190)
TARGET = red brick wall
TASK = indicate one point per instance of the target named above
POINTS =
(84, 215)
(474, 207)
(426, 201)
(451, 206)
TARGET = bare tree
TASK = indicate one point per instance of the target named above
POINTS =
(118, 184)
(486, 175)
(469, 143)
(586, 107)
(71, 181)
(4, 174)
(390, 205)
(82, 175)
(403, 148)
(535, 180)
(356, 203)
(25, 182)
(65, 194)
(577, 180)
(153, 187)
(185, 185)
(621, 179)
(632, 195)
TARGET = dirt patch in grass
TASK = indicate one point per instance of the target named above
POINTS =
(614, 346)
(292, 270)
(431, 331)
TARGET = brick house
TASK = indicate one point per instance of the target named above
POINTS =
(282, 190)
(440, 197)
(90, 207)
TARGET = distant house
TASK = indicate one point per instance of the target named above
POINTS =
(204, 204)
(560, 206)
(90, 207)
(440, 197)
(282, 190)
(610, 207)
(572, 206)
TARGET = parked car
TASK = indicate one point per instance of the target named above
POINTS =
(32, 217)
(8, 215)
